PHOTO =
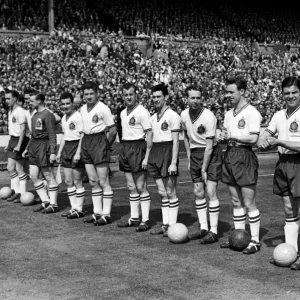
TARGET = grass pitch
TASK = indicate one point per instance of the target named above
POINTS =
(50, 257)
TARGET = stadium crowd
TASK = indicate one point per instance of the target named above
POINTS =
(62, 64)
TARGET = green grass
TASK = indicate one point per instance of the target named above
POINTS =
(49, 257)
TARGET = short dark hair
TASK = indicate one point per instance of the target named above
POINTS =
(40, 97)
(14, 93)
(290, 81)
(27, 91)
(240, 83)
(160, 88)
(129, 85)
(193, 87)
(67, 95)
(90, 85)
(21, 98)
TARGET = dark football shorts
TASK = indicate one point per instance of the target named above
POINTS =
(13, 142)
(286, 180)
(95, 148)
(240, 166)
(160, 159)
(39, 153)
(132, 154)
(214, 169)
(68, 153)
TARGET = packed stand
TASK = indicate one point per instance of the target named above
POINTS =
(59, 64)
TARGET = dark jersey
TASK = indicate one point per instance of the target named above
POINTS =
(43, 127)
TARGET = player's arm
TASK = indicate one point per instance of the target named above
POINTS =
(207, 156)
(263, 139)
(149, 140)
(187, 146)
(175, 151)
(21, 137)
(273, 141)
(61, 147)
(76, 157)
(50, 126)
(111, 134)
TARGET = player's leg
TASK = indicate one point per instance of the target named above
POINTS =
(103, 175)
(162, 191)
(214, 208)
(134, 200)
(170, 183)
(78, 174)
(22, 176)
(48, 172)
(239, 211)
(141, 184)
(249, 199)
(97, 193)
(14, 178)
(71, 190)
(39, 187)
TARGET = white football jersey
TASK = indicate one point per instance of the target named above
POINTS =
(245, 121)
(97, 119)
(164, 125)
(72, 127)
(200, 128)
(287, 128)
(16, 118)
(135, 124)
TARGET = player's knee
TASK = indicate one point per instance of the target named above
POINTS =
(11, 168)
(140, 189)
(69, 182)
(199, 194)
(235, 202)
(93, 182)
(78, 183)
(162, 193)
(170, 193)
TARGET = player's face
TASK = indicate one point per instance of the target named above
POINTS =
(159, 99)
(33, 102)
(90, 96)
(67, 106)
(27, 98)
(10, 100)
(233, 94)
(129, 97)
(194, 99)
(291, 96)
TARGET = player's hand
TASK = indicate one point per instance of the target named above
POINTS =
(16, 149)
(25, 154)
(76, 158)
(5, 149)
(172, 169)
(204, 176)
(58, 158)
(272, 141)
(52, 158)
(262, 143)
(144, 164)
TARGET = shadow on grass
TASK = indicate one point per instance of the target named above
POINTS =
(274, 241)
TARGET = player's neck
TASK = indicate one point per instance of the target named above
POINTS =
(162, 110)
(241, 104)
(290, 110)
(195, 112)
(41, 108)
(13, 107)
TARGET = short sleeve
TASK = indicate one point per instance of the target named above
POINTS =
(145, 120)
(175, 122)
(254, 120)
(272, 128)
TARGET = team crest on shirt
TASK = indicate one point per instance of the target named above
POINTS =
(294, 126)
(164, 126)
(132, 121)
(241, 124)
(95, 119)
(201, 129)
(39, 124)
(72, 126)
(14, 120)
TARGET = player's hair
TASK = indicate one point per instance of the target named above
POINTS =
(160, 88)
(90, 85)
(27, 91)
(14, 93)
(41, 97)
(129, 85)
(241, 84)
(67, 95)
(193, 87)
(21, 98)
(290, 81)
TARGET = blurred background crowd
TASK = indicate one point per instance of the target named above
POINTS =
(89, 43)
